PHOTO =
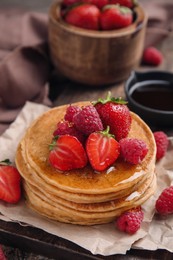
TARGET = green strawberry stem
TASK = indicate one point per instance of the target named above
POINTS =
(5, 162)
(106, 132)
(125, 10)
(122, 9)
(53, 144)
(118, 100)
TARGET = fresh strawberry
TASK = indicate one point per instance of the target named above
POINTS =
(67, 153)
(102, 150)
(98, 3)
(84, 16)
(115, 17)
(152, 56)
(115, 113)
(10, 190)
(88, 120)
(69, 128)
(127, 3)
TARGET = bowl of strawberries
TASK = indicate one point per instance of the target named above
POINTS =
(96, 42)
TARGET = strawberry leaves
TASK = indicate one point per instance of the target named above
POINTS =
(5, 162)
(118, 100)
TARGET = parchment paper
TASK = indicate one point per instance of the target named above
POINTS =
(99, 239)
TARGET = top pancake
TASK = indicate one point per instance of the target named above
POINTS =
(119, 176)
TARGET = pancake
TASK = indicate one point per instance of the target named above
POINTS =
(82, 196)
(68, 215)
(94, 207)
(33, 178)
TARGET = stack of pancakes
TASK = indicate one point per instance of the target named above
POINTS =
(82, 196)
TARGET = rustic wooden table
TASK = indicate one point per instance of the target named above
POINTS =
(21, 242)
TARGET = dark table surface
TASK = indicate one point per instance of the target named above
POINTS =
(30, 243)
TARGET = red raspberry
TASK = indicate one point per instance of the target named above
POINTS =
(88, 121)
(130, 221)
(162, 142)
(133, 150)
(2, 256)
(71, 112)
(65, 127)
(152, 56)
(164, 204)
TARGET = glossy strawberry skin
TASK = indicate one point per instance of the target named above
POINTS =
(127, 3)
(67, 153)
(98, 3)
(117, 116)
(10, 190)
(85, 16)
(102, 151)
(115, 17)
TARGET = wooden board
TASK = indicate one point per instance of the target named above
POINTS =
(33, 240)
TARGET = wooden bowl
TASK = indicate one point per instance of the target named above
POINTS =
(95, 57)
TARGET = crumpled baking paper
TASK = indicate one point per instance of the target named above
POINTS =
(154, 233)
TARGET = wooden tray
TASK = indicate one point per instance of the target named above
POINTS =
(37, 241)
(33, 240)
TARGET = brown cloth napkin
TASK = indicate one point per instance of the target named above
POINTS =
(25, 64)
(160, 20)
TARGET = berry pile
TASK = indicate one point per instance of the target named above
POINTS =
(98, 14)
(95, 134)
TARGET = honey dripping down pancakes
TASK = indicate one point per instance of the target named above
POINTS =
(83, 195)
